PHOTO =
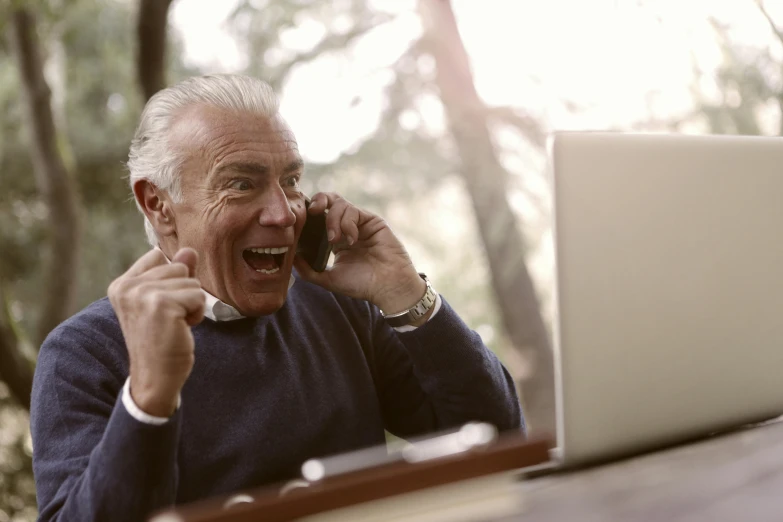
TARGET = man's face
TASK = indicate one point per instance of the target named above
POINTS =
(240, 198)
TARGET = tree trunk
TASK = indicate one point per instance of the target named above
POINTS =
(55, 186)
(486, 179)
(151, 36)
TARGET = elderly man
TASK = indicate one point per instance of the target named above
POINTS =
(210, 367)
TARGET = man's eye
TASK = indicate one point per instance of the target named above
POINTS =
(292, 182)
(241, 184)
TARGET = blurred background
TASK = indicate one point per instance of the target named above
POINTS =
(434, 114)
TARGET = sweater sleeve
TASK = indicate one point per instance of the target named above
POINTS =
(441, 375)
(92, 460)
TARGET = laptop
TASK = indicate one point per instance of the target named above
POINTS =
(669, 292)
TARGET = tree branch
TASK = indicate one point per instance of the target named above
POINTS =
(329, 43)
(151, 39)
(779, 35)
(770, 20)
(527, 125)
(15, 370)
(56, 188)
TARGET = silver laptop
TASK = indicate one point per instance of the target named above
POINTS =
(669, 321)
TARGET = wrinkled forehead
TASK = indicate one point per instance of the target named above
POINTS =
(209, 132)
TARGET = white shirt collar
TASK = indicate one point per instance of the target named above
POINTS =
(217, 310)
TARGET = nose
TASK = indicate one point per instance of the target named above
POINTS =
(276, 210)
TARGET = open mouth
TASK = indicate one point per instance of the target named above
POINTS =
(265, 260)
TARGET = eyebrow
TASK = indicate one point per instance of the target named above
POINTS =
(293, 166)
(258, 169)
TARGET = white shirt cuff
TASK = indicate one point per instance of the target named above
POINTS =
(409, 328)
(136, 412)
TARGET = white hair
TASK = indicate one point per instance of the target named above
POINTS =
(151, 158)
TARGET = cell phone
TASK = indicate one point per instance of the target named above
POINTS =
(314, 246)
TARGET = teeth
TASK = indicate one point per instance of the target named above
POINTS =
(275, 269)
(275, 250)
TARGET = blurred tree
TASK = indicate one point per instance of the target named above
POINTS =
(17, 489)
(58, 192)
(86, 49)
(745, 94)
(487, 183)
(94, 102)
(16, 370)
(259, 24)
(151, 42)
(776, 65)
(60, 201)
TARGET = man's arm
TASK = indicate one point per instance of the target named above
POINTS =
(436, 376)
(92, 459)
(441, 375)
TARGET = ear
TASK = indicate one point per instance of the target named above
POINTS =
(157, 206)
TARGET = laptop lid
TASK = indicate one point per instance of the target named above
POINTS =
(669, 321)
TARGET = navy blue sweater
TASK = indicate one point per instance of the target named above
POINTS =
(325, 374)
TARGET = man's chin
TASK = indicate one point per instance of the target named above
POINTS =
(256, 294)
(261, 304)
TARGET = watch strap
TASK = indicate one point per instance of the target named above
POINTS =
(415, 312)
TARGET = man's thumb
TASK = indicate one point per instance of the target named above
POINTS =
(188, 257)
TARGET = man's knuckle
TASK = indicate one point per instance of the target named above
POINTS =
(113, 289)
(156, 300)
(122, 291)
(135, 292)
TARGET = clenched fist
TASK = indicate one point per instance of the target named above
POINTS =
(157, 302)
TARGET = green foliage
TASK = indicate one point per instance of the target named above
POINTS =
(89, 45)
(96, 101)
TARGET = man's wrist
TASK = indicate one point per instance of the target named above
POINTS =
(432, 312)
(136, 412)
(405, 296)
(150, 403)
(416, 314)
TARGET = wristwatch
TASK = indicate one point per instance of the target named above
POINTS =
(415, 312)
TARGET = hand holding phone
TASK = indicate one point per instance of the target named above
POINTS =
(370, 262)
(314, 246)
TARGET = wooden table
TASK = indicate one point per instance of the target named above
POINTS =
(737, 477)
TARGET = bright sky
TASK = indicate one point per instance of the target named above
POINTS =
(620, 61)
(612, 57)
